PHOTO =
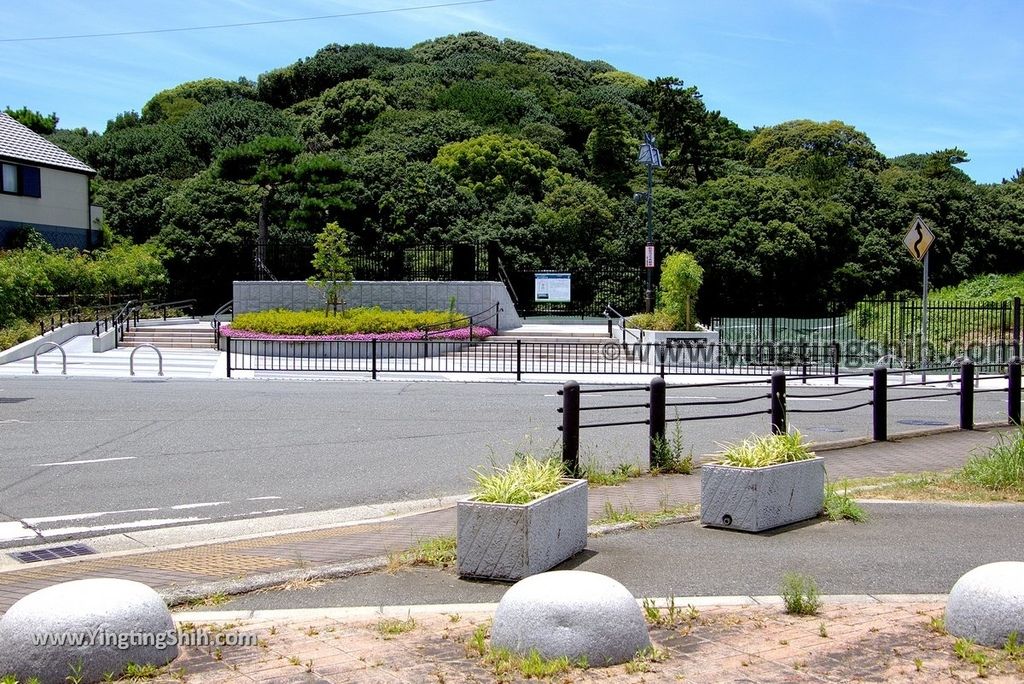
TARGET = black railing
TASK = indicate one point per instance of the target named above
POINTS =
(777, 399)
(989, 332)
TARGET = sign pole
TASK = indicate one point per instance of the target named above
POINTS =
(649, 294)
(924, 320)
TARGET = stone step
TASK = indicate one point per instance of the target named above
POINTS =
(542, 339)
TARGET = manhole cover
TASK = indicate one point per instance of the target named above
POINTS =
(921, 421)
(53, 553)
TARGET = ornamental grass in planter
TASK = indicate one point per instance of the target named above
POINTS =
(522, 519)
(762, 483)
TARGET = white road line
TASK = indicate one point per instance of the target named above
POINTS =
(807, 399)
(121, 526)
(181, 507)
(86, 516)
(926, 400)
(263, 498)
(12, 531)
(93, 460)
(705, 398)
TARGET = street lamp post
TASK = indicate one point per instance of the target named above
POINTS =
(651, 158)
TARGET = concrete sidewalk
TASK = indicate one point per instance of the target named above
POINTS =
(242, 565)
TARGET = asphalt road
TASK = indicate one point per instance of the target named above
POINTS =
(81, 457)
(903, 548)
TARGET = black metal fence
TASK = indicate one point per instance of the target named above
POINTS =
(987, 332)
(774, 404)
(517, 358)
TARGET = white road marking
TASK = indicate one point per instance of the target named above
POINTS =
(93, 460)
(121, 526)
(926, 400)
(12, 531)
(181, 507)
(705, 398)
(807, 399)
(14, 420)
(86, 516)
(263, 498)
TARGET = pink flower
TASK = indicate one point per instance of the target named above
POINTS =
(479, 332)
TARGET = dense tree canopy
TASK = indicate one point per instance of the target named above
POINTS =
(473, 138)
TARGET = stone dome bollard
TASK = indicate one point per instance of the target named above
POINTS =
(987, 604)
(571, 613)
(88, 628)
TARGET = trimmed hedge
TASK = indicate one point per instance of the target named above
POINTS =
(357, 320)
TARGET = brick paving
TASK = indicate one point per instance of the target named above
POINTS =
(167, 570)
(845, 642)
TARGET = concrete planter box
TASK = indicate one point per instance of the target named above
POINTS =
(513, 541)
(682, 347)
(756, 499)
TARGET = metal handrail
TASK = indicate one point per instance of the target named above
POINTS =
(51, 346)
(159, 356)
(226, 307)
(958, 362)
(609, 313)
(507, 282)
(492, 312)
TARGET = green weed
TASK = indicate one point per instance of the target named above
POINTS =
(525, 479)
(800, 595)
(760, 452)
(840, 506)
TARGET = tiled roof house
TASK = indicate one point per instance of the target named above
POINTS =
(43, 186)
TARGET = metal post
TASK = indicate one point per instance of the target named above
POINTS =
(661, 357)
(571, 426)
(967, 395)
(835, 361)
(879, 403)
(1016, 327)
(373, 355)
(924, 320)
(519, 360)
(229, 355)
(803, 354)
(649, 295)
(1013, 403)
(657, 419)
(779, 403)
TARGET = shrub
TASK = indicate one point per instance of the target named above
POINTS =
(765, 451)
(526, 478)
(681, 277)
(358, 320)
(656, 320)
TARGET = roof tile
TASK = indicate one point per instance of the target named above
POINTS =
(23, 144)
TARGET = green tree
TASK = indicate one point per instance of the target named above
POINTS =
(175, 103)
(611, 149)
(681, 278)
(332, 272)
(38, 122)
(266, 163)
(819, 151)
(491, 166)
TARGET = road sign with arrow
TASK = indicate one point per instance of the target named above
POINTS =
(919, 238)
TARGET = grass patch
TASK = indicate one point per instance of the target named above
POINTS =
(671, 616)
(800, 595)
(643, 520)
(434, 552)
(839, 506)
(392, 627)
(609, 478)
(1001, 468)
(355, 320)
(767, 450)
(643, 661)
(506, 664)
(525, 479)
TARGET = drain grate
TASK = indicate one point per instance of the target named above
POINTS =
(53, 553)
(921, 421)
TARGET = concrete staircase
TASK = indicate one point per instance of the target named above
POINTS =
(177, 335)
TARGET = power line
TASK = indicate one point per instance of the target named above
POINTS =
(242, 24)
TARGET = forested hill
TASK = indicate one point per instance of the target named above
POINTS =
(473, 138)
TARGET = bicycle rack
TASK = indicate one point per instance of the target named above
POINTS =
(898, 360)
(50, 346)
(159, 357)
(957, 363)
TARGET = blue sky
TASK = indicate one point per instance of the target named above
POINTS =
(916, 76)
